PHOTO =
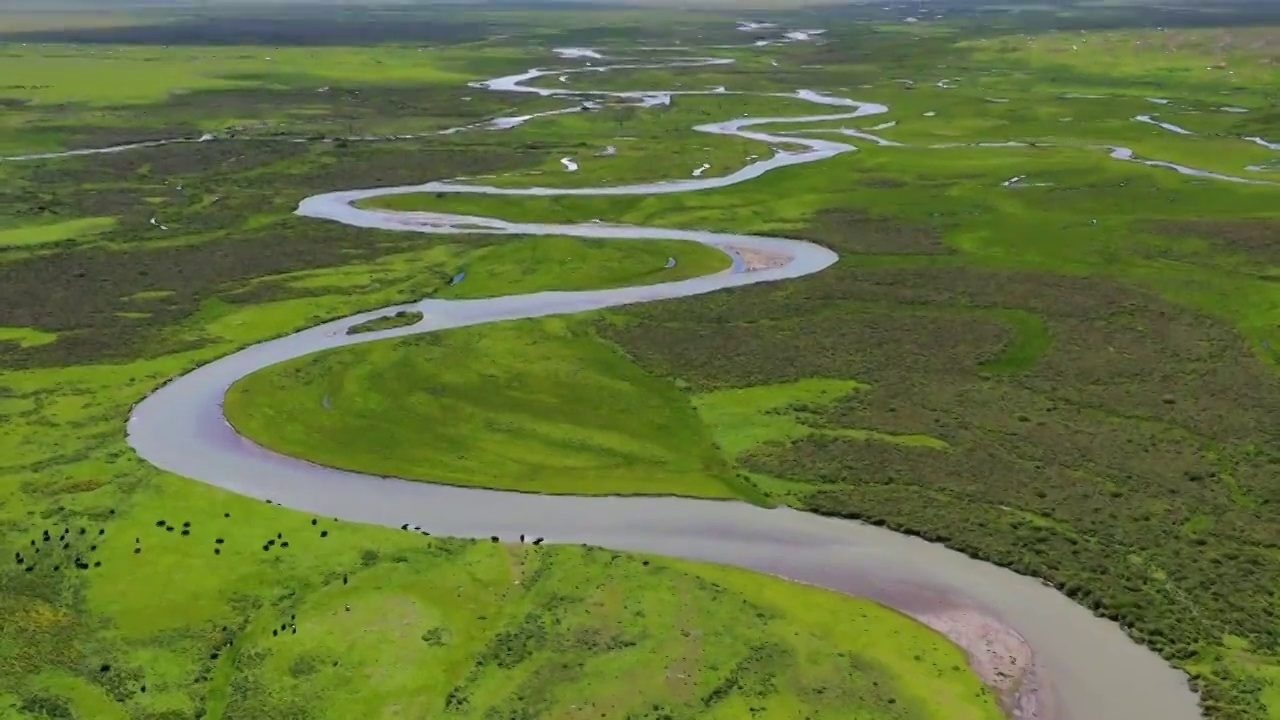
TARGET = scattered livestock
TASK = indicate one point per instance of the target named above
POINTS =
(66, 538)
(81, 561)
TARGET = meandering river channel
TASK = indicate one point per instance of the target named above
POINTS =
(1046, 656)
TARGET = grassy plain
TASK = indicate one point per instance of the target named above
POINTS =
(548, 409)
(268, 613)
(400, 318)
(26, 337)
(177, 600)
(56, 232)
(174, 623)
(562, 263)
(1092, 403)
(1109, 330)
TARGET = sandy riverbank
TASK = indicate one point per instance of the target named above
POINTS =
(999, 655)
(754, 260)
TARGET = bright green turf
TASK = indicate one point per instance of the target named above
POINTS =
(385, 322)
(93, 74)
(539, 406)
(26, 337)
(563, 263)
(644, 440)
(27, 235)
(434, 624)
(742, 418)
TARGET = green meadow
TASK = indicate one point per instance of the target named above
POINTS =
(57, 232)
(568, 264)
(1073, 376)
(552, 410)
(252, 610)
(400, 318)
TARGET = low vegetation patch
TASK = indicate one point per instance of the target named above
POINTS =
(71, 230)
(401, 318)
(536, 405)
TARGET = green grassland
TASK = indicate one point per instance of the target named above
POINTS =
(75, 96)
(1090, 403)
(173, 623)
(561, 263)
(972, 333)
(180, 620)
(91, 74)
(268, 613)
(535, 406)
(550, 409)
(71, 230)
(400, 318)
(1128, 202)
(26, 337)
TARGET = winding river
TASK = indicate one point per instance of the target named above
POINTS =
(1048, 657)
